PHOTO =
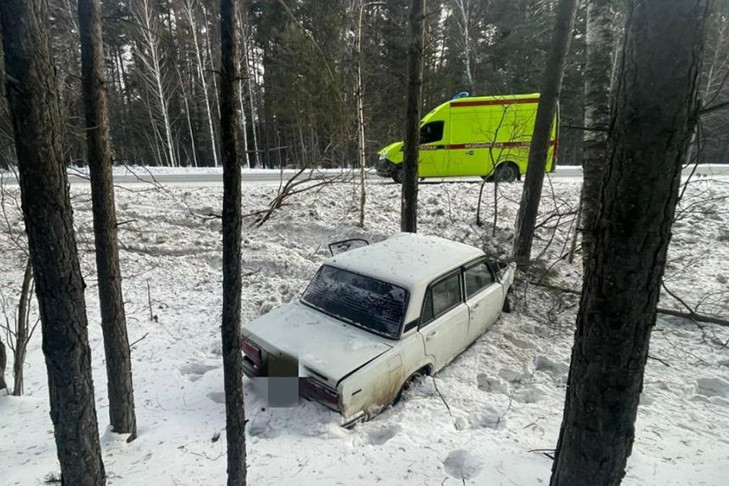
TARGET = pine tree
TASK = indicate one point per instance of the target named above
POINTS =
(34, 105)
(652, 112)
(232, 280)
(113, 321)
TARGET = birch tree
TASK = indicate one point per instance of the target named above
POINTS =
(251, 77)
(154, 74)
(189, 7)
(598, 74)
(465, 11)
(359, 95)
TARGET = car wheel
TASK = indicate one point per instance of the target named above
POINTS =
(398, 175)
(507, 172)
(406, 386)
(507, 305)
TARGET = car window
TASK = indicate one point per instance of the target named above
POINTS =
(431, 132)
(441, 297)
(446, 294)
(427, 308)
(478, 277)
(365, 302)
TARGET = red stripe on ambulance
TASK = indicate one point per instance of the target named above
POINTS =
(522, 101)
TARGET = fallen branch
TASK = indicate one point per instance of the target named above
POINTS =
(694, 316)
(661, 310)
(291, 188)
(441, 397)
(547, 452)
(135, 342)
(659, 360)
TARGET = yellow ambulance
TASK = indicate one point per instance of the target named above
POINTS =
(487, 136)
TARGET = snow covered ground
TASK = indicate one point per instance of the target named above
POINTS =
(505, 393)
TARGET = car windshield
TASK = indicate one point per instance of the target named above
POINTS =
(365, 302)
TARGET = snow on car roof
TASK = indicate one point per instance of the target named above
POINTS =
(406, 259)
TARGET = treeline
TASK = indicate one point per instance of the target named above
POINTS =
(299, 83)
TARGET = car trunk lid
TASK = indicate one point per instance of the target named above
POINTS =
(327, 349)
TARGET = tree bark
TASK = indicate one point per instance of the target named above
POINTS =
(361, 141)
(409, 206)
(113, 320)
(3, 363)
(22, 330)
(652, 114)
(189, 7)
(598, 74)
(551, 86)
(34, 105)
(232, 282)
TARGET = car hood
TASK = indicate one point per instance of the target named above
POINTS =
(324, 345)
(389, 148)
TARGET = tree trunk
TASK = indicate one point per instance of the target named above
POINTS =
(190, 11)
(653, 112)
(232, 282)
(551, 86)
(188, 118)
(149, 55)
(22, 330)
(361, 146)
(464, 9)
(113, 320)
(598, 74)
(251, 73)
(409, 207)
(3, 362)
(34, 105)
(243, 125)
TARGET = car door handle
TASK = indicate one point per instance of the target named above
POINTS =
(475, 306)
(432, 335)
(470, 152)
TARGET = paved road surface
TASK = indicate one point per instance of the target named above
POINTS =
(273, 176)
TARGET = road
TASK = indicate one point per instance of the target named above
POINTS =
(207, 177)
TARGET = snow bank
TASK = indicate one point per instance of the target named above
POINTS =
(505, 393)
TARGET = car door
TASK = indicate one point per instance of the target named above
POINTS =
(484, 297)
(444, 319)
(433, 158)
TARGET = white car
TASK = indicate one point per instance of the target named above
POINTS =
(372, 319)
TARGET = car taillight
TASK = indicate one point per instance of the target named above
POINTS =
(330, 397)
(252, 351)
(314, 390)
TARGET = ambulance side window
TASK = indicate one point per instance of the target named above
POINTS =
(431, 132)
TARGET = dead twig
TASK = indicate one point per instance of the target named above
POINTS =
(661, 310)
(441, 396)
(140, 339)
(659, 360)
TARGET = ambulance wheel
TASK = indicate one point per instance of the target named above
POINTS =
(507, 172)
(398, 175)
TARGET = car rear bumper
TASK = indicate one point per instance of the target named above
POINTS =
(308, 388)
(250, 369)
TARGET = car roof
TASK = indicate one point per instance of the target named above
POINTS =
(406, 259)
